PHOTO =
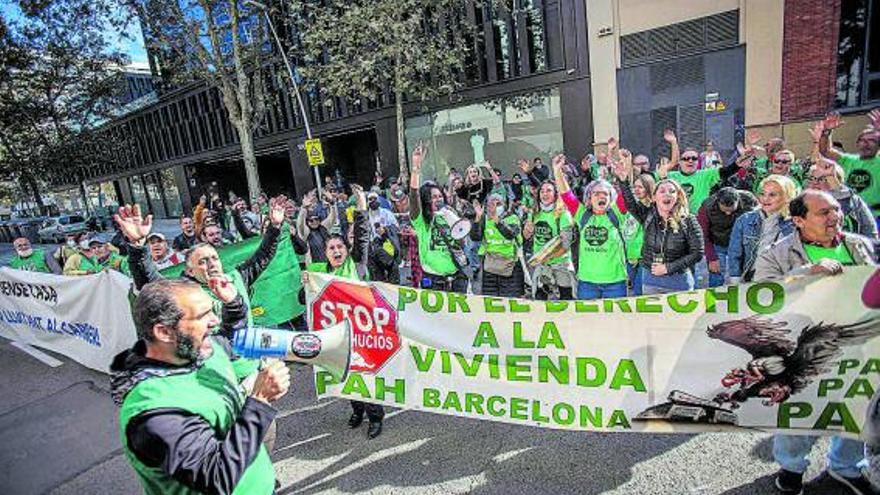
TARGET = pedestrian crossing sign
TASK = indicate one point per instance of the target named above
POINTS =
(314, 152)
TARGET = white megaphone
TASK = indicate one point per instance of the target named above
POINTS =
(329, 348)
(459, 227)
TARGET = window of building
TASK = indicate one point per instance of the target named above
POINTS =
(858, 53)
(499, 131)
(172, 194)
(138, 193)
(155, 195)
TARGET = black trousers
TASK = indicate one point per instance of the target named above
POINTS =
(375, 412)
(457, 282)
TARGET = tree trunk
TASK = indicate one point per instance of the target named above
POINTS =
(401, 137)
(246, 139)
(29, 182)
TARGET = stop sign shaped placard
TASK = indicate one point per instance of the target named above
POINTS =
(373, 322)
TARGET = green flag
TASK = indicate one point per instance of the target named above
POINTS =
(275, 294)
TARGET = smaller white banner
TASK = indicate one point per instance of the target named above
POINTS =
(87, 319)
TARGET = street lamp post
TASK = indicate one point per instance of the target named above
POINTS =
(299, 101)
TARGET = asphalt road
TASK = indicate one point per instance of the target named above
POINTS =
(59, 433)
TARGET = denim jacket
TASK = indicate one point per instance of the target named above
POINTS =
(743, 249)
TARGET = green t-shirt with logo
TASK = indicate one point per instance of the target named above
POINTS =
(548, 226)
(434, 253)
(634, 235)
(36, 262)
(494, 242)
(838, 252)
(601, 257)
(697, 185)
(863, 177)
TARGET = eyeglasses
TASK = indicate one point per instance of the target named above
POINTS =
(689, 158)
(823, 178)
(786, 162)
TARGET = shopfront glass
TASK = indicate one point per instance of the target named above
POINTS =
(499, 131)
(172, 194)
(155, 195)
(138, 193)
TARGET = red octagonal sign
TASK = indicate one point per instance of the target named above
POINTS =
(373, 322)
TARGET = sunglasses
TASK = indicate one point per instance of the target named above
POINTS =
(823, 178)
(689, 158)
(782, 162)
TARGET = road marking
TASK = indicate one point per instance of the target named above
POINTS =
(395, 413)
(39, 355)
(302, 442)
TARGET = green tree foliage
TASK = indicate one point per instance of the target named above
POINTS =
(59, 75)
(419, 50)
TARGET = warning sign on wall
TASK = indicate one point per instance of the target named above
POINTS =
(315, 152)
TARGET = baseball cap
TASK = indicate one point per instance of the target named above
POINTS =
(397, 194)
(372, 195)
(156, 235)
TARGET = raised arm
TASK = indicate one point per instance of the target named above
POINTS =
(415, 180)
(824, 129)
(674, 153)
(136, 228)
(254, 266)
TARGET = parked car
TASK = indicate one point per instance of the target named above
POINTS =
(55, 229)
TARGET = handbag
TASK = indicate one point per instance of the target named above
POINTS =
(499, 265)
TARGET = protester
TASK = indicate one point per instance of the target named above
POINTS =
(643, 186)
(717, 217)
(756, 230)
(108, 256)
(478, 183)
(549, 221)
(187, 237)
(857, 217)
(343, 259)
(85, 261)
(202, 261)
(601, 253)
(33, 260)
(312, 229)
(162, 256)
(673, 240)
(817, 247)
(213, 234)
(69, 248)
(697, 184)
(185, 423)
(441, 256)
(862, 169)
(499, 233)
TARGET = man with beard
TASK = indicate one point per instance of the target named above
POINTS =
(187, 237)
(186, 423)
(202, 261)
(33, 260)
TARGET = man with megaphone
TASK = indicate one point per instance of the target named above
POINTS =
(186, 421)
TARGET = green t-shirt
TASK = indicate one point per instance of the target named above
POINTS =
(434, 254)
(601, 257)
(494, 242)
(697, 185)
(634, 234)
(547, 226)
(863, 176)
(838, 252)
(36, 262)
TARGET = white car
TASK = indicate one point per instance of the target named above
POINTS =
(55, 229)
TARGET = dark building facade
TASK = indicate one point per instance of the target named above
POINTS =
(529, 96)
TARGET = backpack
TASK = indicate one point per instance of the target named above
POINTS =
(615, 221)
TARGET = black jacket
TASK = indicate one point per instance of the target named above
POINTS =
(183, 242)
(144, 271)
(681, 250)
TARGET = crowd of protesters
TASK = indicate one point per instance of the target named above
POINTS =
(608, 226)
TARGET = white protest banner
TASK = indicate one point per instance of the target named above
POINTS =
(84, 318)
(799, 355)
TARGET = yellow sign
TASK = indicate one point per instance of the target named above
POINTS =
(314, 152)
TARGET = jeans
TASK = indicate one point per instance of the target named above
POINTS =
(719, 279)
(675, 282)
(635, 277)
(589, 290)
(844, 456)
